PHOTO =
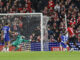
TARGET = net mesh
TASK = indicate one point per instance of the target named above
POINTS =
(27, 25)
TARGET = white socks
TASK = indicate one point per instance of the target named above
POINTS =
(5, 49)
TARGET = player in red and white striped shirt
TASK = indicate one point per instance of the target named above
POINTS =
(72, 36)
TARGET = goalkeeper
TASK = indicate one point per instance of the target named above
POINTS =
(18, 41)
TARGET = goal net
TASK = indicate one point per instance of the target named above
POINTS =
(28, 25)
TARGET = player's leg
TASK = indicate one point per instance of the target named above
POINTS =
(63, 42)
(64, 45)
(8, 45)
(74, 42)
(17, 47)
(14, 43)
(4, 47)
(7, 40)
(68, 43)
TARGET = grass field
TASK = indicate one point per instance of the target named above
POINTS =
(39, 55)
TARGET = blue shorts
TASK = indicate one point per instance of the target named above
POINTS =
(6, 39)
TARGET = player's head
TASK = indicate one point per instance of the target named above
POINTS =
(6, 23)
(16, 33)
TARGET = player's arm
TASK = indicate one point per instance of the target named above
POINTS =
(24, 40)
(11, 31)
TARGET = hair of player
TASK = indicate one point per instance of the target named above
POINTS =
(6, 23)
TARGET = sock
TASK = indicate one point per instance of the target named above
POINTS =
(7, 49)
(4, 49)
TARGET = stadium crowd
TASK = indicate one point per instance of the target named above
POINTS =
(57, 13)
(15, 6)
(56, 9)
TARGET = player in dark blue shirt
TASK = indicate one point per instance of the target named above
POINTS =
(6, 36)
(64, 39)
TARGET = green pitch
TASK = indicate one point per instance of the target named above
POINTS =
(39, 55)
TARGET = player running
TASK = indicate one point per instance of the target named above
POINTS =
(72, 36)
(5, 35)
(64, 39)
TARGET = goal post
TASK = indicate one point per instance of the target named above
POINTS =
(41, 32)
(66, 23)
(31, 22)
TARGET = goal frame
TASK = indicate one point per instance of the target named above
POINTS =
(41, 23)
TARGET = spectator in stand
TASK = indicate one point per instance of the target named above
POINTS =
(45, 11)
(15, 6)
(61, 7)
(35, 37)
(78, 20)
(51, 4)
(20, 7)
(57, 7)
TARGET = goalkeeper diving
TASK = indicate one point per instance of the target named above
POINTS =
(20, 39)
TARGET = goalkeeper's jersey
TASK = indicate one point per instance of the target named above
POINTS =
(20, 39)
